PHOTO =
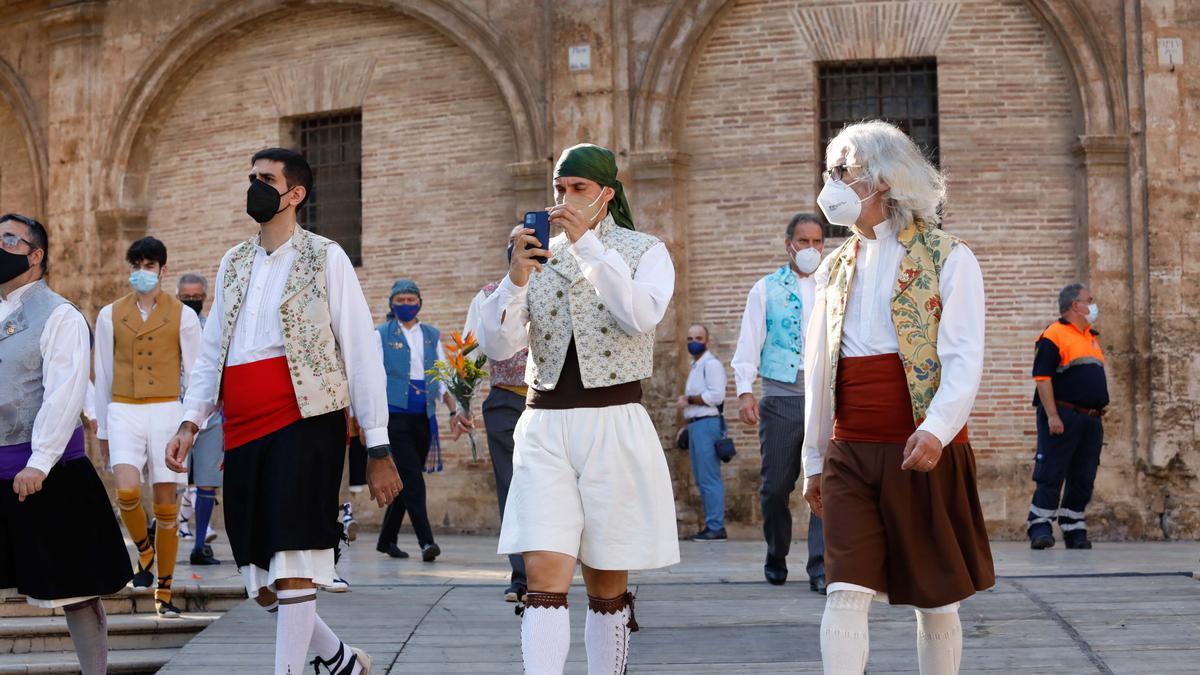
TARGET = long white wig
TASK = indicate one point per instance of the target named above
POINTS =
(885, 152)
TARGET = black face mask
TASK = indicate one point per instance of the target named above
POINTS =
(196, 305)
(12, 265)
(262, 201)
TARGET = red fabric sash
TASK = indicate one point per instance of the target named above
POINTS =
(259, 399)
(873, 403)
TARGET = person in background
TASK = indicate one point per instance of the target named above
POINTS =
(207, 458)
(705, 391)
(771, 345)
(501, 410)
(1071, 398)
(46, 478)
(410, 349)
(144, 341)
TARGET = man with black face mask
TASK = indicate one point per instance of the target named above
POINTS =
(290, 346)
(46, 478)
(204, 476)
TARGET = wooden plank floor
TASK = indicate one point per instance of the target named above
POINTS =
(1120, 608)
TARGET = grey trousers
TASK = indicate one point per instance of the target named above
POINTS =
(780, 437)
(501, 410)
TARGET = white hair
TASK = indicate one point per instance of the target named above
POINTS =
(885, 153)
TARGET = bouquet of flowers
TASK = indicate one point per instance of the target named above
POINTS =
(461, 374)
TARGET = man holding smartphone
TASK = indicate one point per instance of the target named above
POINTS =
(590, 482)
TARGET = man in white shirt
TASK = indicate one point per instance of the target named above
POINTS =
(590, 482)
(288, 346)
(46, 478)
(771, 344)
(144, 341)
(894, 356)
(702, 396)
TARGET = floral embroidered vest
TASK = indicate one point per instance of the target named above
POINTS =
(563, 306)
(313, 356)
(916, 308)
(510, 372)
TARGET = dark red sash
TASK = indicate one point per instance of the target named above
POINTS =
(259, 399)
(873, 403)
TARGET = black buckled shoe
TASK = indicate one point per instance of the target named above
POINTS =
(203, 557)
(1082, 543)
(430, 552)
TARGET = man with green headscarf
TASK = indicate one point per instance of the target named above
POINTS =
(590, 482)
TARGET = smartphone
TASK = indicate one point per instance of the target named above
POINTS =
(539, 222)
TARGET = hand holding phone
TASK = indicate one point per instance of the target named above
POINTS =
(539, 222)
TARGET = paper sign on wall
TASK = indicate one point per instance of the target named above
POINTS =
(580, 57)
(1170, 51)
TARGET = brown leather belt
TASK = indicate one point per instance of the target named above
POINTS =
(1090, 412)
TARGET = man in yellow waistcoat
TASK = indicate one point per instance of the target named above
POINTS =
(893, 360)
(143, 341)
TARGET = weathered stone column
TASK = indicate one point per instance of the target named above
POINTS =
(74, 31)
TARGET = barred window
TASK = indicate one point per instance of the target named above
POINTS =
(332, 144)
(903, 92)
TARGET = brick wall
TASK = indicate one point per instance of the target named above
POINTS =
(1006, 124)
(436, 201)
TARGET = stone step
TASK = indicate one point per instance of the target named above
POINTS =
(120, 661)
(28, 635)
(188, 597)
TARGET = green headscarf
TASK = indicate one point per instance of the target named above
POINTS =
(597, 164)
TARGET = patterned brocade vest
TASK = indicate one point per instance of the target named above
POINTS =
(564, 305)
(916, 308)
(21, 363)
(314, 359)
(510, 372)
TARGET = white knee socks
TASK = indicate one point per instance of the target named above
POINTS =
(293, 629)
(939, 640)
(606, 634)
(335, 654)
(844, 638)
(545, 633)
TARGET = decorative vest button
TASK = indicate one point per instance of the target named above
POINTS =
(554, 261)
(600, 307)
(604, 329)
(547, 337)
(608, 352)
(559, 294)
(541, 359)
(554, 312)
(612, 376)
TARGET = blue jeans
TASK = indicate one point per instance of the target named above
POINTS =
(706, 467)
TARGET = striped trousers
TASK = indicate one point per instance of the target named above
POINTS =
(780, 437)
(1072, 457)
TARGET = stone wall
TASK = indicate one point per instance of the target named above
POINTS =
(1070, 152)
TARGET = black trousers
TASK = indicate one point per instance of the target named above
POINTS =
(501, 410)
(409, 436)
(781, 437)
(358, 462)
(1072, 457)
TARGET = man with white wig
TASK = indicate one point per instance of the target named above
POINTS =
(894, 354)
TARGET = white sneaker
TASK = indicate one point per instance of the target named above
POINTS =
(349, 525)
(185, 531)
(339, 585)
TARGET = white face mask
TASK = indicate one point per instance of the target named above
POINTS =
(840, 203)
(1093, 313)
(590, 210)
(807, 260)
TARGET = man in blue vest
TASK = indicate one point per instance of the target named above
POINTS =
(771, 344)
(410, 348)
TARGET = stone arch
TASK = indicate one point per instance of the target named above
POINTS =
(450, 17)
(661, 80)
(14, 93)
(654, 107)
